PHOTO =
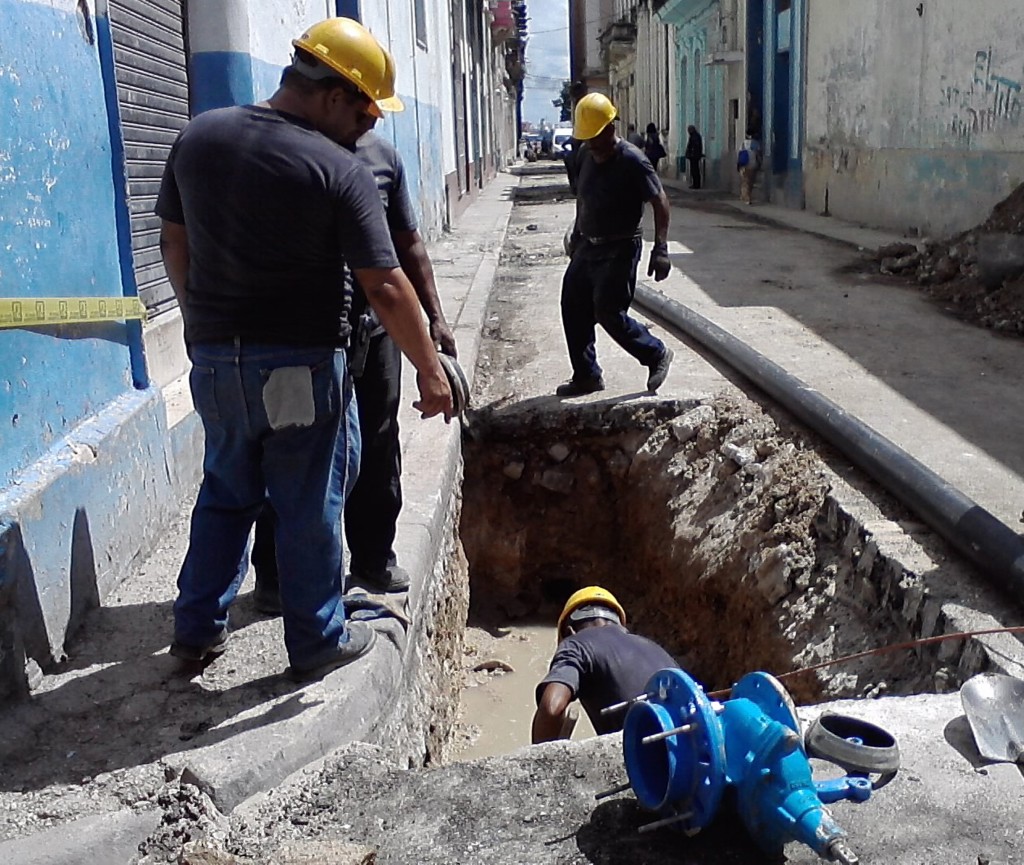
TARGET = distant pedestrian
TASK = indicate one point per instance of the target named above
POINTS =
(653, 148)
(614, 181)
(634, 137)
(694, 154)
(749, 159)
(748, 163)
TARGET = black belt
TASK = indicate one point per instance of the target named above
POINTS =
(612, 238)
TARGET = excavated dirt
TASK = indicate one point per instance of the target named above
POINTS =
(701, 516)
(950, 272)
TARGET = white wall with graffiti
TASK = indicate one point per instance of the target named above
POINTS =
(915, 111)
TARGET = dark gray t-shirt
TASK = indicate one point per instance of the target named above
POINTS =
(610, 196)
(274, 211)
(603, 666)
(381, 157)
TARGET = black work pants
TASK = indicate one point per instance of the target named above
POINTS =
(598, 287)
(374, 503)
(695, 177)
(372, 508)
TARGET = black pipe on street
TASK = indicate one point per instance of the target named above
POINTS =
(990, 544)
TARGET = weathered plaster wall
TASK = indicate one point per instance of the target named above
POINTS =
(239, 48)
(57, 227)
(703, 88)
(914, 119)
(423, 132)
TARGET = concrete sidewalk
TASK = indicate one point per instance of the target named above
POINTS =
(94, 749)
(827, 227)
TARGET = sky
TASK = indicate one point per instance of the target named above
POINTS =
(547, 58)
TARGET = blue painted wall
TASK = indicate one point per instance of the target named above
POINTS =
(58, 234)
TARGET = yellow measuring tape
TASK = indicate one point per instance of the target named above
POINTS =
(35, 311)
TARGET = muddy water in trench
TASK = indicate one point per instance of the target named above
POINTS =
(498, 706)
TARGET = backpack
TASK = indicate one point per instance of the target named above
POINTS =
(743, 159)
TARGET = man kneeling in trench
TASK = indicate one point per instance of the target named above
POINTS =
(598, 662)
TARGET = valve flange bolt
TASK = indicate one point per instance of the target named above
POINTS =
(618, 707)
(667, 734)
(842, 854)
(668, 821)
(622, 788)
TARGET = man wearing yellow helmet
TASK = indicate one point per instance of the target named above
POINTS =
(614, 180)
(598, 662)
(261, 214)
(375, 501)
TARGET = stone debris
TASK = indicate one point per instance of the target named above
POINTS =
(977, 274)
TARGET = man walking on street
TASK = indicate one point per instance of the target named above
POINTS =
(373, 505)
(614, 180)
(261, 211)
(598, 662)
(694, 154)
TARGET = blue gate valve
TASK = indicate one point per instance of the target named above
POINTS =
(683, 751)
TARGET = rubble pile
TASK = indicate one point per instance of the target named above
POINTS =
(978, 274)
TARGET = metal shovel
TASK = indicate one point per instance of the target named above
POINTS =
(994, 705)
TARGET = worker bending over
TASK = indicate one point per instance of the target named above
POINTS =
(598, 662)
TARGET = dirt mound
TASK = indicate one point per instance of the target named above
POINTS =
(1008, 215)
(978, 275)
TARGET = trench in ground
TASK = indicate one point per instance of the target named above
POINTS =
(717, 533)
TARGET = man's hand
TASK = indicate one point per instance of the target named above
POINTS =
(659, 266)
(435, 393)
(442, 335)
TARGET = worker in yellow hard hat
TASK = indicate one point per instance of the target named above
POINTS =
(262, 213)
(374, 503)
(613, 182)
(598, 662)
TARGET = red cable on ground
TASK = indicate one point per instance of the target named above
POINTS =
(923, 641)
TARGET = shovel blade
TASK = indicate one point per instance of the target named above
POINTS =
(994, 705)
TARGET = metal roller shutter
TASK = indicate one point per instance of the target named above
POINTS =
(152, 95)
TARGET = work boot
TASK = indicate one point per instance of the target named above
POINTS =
(392, 578)
(187, 652)
(580, 386)
(361, 638)
(659, 370)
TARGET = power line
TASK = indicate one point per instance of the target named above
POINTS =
(563, 29)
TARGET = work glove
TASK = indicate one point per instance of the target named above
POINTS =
(659, 266)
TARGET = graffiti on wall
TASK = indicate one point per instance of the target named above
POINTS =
(989, 103)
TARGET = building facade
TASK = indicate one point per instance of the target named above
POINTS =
(914, 111)
(94, 455)
(896, 114)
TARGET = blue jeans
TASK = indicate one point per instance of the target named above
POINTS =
(598, 288)
(280, 423)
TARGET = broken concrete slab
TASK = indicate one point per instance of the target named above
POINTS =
(537, 805)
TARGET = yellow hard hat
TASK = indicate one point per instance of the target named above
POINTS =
(593, 113)
(586, 597)
(388, 99)
(347, 48)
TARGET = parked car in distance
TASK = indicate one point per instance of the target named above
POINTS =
(561, 142)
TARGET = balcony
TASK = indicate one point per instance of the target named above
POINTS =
(503, 21)
(618, 42)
